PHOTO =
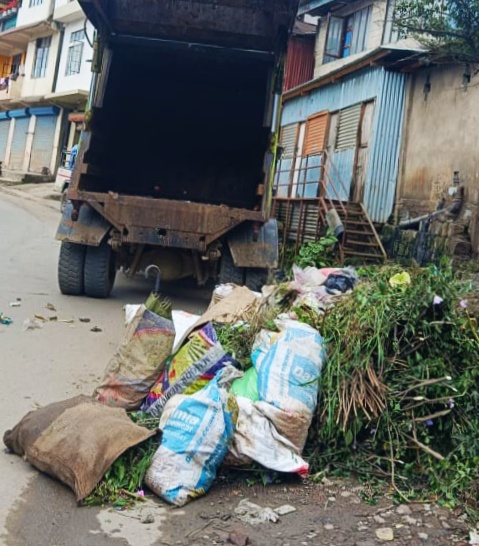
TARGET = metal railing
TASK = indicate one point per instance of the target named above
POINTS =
(304, 192)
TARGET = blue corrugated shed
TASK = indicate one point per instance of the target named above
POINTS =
(343, 161)
(388, 90)
(382, 172)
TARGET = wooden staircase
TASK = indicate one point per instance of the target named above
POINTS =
(304, 219)
(361, 241)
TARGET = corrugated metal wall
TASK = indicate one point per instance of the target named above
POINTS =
(382, 172)
(18, 144)
(353, 89)
(299, 62)
(388, 90)
(42, 146)
(343, 171)
(4, 128)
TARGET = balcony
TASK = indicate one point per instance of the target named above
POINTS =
(67, 11)
(8, 15)
(15, 40)
(13, 92)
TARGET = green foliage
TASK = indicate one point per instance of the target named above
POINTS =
(449, 28)
(318, 254)
(124, 478)
(400, 391)
(236, 340)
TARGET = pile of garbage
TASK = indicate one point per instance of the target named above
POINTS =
(175, 403)
(325, 372)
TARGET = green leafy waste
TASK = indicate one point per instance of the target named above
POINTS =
(399, 394)
(124, 479)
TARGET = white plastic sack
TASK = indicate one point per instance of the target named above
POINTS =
(183, 322)
(256, 439)
(197, 431)
(289, 366)
(131, 309)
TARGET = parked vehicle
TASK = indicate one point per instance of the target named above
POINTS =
(64, 174)
(176, 161)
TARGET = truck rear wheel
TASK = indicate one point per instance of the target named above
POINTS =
(100, 270)
(229, 273)
(256, 278)
(70, 269)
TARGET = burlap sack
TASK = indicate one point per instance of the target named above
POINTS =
(76, 440)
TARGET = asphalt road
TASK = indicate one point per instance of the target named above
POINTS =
(53, 363)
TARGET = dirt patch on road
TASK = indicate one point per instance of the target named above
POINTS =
(334, 514)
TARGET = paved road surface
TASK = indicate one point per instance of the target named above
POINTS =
(51, 364)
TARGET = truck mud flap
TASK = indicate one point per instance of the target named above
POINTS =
(89, 229)
(255, 249)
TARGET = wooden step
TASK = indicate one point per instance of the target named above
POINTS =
(353, 216)
(356, 232)
(350, 243)
(349, 252)
(357, 222)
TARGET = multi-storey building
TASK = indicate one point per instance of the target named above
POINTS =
(341, 130)
(46, 57)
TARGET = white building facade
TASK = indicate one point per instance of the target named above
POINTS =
(42, 104)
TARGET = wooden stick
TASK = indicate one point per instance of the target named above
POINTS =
(428, 450)
(432, 416)
(426, 383)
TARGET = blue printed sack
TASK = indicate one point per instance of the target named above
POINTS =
(197, 431)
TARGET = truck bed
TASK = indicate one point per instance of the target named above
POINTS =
(184, 125)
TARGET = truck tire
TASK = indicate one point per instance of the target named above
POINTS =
(229, 273)
(70, 269)
(256, 278)
(100, 270)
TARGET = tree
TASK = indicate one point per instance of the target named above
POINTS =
(449, 28)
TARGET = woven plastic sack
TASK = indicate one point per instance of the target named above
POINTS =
(138, 361)
(289, 367)
(256, 439)
(189, 370)
(197, 431)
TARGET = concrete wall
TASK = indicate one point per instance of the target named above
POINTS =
(83, 79)
(378, 18)
(40, 86)
(68, 11)
(28, 15)
(441, 136)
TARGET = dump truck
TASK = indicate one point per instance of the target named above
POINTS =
(176, 161)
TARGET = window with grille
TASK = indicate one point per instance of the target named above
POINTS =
(34, 3)
(41, 57)
(75, 52)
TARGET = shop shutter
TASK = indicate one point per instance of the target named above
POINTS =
(4, 129)
(315, 134)
(18, 144)
(42, 146)
(288, 139)
(348, 127)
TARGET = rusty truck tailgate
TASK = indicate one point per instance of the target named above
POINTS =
(245, 24)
